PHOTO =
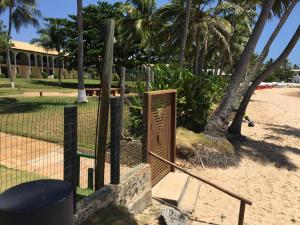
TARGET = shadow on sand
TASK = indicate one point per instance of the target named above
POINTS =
(266, 152)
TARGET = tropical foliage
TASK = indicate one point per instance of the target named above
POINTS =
(196, 95)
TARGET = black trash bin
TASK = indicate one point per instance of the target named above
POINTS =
(43, 202)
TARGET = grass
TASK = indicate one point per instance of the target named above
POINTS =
(67, 85)
(5, 92)
(43, 118)
(189, 139)
(14, 177)
(201, 149)
(112, 216)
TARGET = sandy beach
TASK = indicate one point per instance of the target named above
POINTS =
(269, 172)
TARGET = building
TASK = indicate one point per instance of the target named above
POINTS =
(29, 60)
(296, 78)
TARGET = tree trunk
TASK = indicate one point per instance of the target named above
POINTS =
(203, 54)
(9, 71)
(185, 32)
(81, 92)
(264, 53)
(236, 125)
(197, 52)
(219, 122)
(59, 70)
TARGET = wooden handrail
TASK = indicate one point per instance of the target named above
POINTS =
(242, 199)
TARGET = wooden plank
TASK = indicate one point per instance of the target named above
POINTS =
(105, 102)
(162, 92)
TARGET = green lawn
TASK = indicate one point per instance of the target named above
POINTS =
(12, 177)
(43, 118)
(45, 85)
(112, 216)
(67, 85)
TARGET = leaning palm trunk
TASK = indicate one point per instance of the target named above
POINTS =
(218, 124)
(81, 92)
(236, 125)
(251, 75)
(185, 32)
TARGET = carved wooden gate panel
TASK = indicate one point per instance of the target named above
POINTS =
(160, 115)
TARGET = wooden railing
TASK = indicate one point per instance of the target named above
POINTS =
(243, 200)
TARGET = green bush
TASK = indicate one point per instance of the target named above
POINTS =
(34, 76)
(56, 76)
(45, 75)
(195, 95)
(2, 75)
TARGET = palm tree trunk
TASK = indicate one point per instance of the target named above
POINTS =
(236, 125)
(9, 70)
(59, 71)
(203, 54)
(185, 32)
(218, 124)
(264, 52)
(81, 92)
(197, 52)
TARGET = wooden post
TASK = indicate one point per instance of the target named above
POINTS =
(115, 138)
(122, 94)
(152, 76)
(242, 213)
(71, 166)
(148, 78)
(105, 102)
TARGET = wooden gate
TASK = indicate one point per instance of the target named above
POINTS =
(160, 118)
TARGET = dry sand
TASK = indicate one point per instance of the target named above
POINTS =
(269, 172)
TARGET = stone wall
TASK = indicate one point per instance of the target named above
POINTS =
(133, 192)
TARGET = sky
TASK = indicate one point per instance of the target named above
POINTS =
(62, 8)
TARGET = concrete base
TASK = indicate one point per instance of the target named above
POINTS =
(140, 203)
(179, 190)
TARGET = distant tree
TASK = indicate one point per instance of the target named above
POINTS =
(53, 36)
(93, 35)
(138, 25)
(4, 44)
(21, 13)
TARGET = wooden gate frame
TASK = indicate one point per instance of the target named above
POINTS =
(147, 119)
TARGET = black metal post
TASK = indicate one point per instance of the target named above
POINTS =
(71, 165)
(115, 136)
(91, 178)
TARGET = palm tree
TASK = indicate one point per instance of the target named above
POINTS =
(53, 36)
(81, 92)
(21, 13)
(185, 31)
(219, 122)
(138, 24)
(204, 28)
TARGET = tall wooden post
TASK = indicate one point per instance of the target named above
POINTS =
(105, 102)
(122, 94)
(148, 78)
